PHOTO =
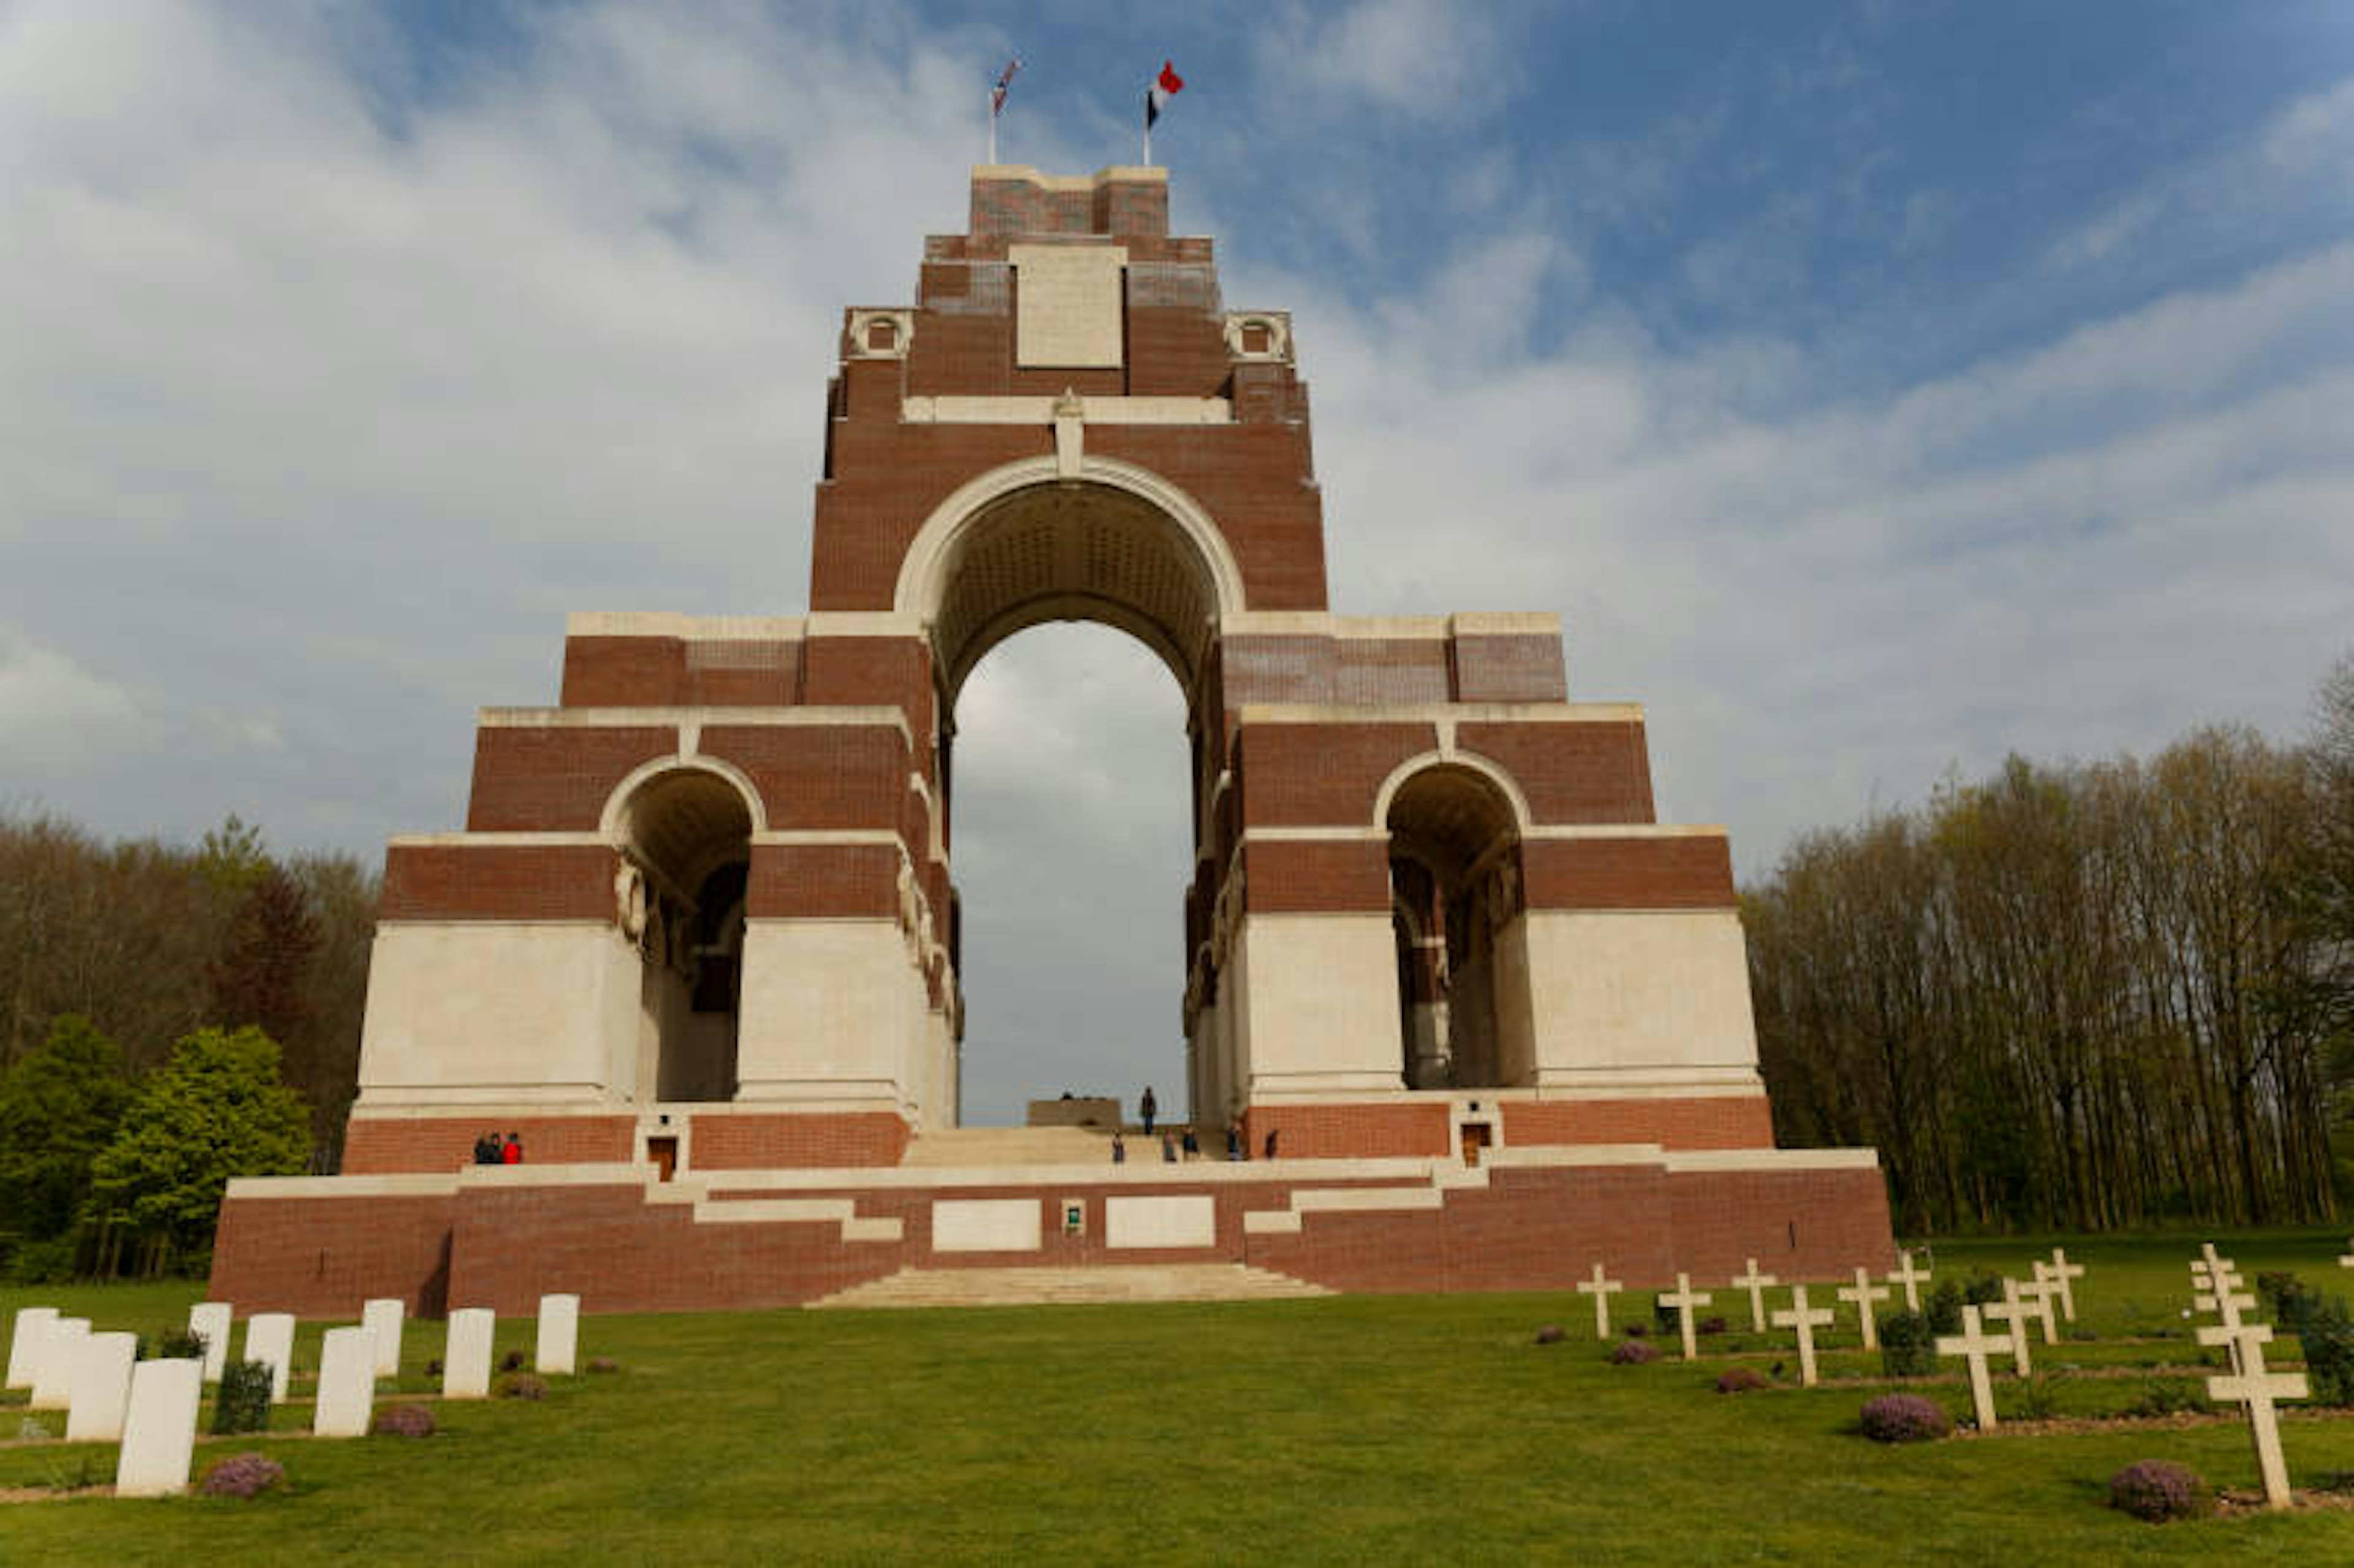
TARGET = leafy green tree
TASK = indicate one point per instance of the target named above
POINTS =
(59, 1109)
(216, 1109)
(258, 978)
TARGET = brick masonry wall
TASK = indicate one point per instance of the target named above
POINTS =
(498, 882)
(1724, 1121)
(1320, 774)
(323, 1257)
(376, 1145)
(1287, 877)
(1573, 771)
(505, 1244)
(1683, 873)
(823, 881)
(547, 780)
(1510, 669)
(1368, 1132)
(790, 1140)
(819, 777)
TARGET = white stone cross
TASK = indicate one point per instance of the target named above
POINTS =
(2013, 1314)
(101, 1387)
(1911, 1279)
(25, 1343)
(1683, 1299)
(209, 1321)
(381, 1317)
(53, 1373)
(2345, 1260)
(1798, 1316)
(1600, 1288)
(1755, 1283)
(2254, 1387)
(270, 1337)
(560, 1334)
(1861, 1295)
(346, 1383)
(2042, 1293)
(1976, 1344)
(466, 1354)
(159, 1434)
(2062, 1271)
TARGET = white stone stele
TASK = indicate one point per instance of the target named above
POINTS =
(212, 1322)
(270, 1337)
(466, 1356)
(1805, 1320)
(1683, 1299)
(159, 1432)
(346, 1383)
(2254, 1387)
(2043, 1294)
(560, 1334)
(2062, 1273)
(53, 1375)
(382, 1317)
(1861, 1296)
(1755, 1283)
(1975, 1344)
(1068, 311)
(101, 1387)
(1601, 1289)
(1909, 1280)
(1187, 1220)
(26, 1341)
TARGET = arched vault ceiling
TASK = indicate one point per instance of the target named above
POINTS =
(1075, 552)
(684, 824)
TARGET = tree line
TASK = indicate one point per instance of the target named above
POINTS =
(170, 1016)
(2082, 995)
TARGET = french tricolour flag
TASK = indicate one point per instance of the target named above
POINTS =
(1165, 85)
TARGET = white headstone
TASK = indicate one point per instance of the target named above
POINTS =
(270, 1337)
(211, 1320)
(2254, 1387)
(1861, 1295)
(1911, 1279)
(2063, 1272)
(1806, 1321)
(25, 1343)
(1975, 1344)
(2014, 1313)
(2346, 1259)
(559, 1333)
(101, 1387)
(346, 1383)
(1683, 1300)
(1755, 1283)
(466, 1355)
(1600, 1289)
(53, 1375)
(382, 1317)
(159, 1432)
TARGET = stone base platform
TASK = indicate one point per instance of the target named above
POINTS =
(1073, 1286)
(1531, 1218)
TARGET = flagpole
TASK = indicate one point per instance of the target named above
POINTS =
(992, 127)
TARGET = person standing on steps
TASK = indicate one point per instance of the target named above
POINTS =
(1150, 1107)
(1118, 1150)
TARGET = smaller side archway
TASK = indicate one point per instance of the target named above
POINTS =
(685, 833)
(1465, 1012)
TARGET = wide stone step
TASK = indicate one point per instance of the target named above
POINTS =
(970, 1147)
(1114, 1283)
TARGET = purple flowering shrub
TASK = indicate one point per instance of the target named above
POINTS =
(520, 1385)
(1550, 1334)
(1905, 1418)
(2159, 1489)
(604, 1364)
(405, 1420)
(1634, 1353)
(243, 1475)
(1742, 1379)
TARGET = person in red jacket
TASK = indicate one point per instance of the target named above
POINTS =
(513, 1153)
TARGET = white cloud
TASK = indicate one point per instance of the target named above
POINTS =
(56, 716)
(1419, 59)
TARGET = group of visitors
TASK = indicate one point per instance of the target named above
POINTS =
(492, 1149)
(1184, 1144)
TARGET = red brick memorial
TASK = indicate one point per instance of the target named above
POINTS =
(697, 945)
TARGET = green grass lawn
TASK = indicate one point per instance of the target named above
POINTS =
(1347, 1430)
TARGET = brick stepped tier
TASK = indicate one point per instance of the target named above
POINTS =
(1524, 1219)
(1068, 1286)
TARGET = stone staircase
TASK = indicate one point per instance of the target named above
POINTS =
(1092, 1287)
(976, 1148)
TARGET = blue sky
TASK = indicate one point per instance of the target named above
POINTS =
(1874, 389)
